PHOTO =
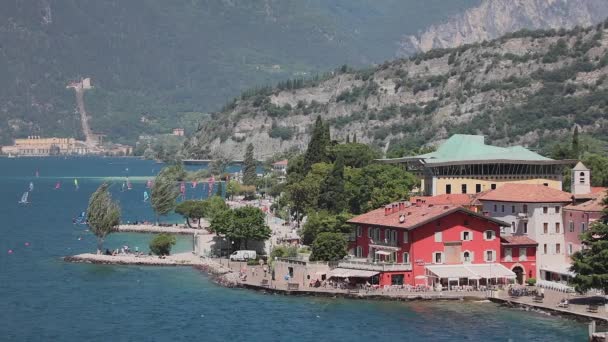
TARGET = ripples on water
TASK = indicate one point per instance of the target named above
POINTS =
(45, 299)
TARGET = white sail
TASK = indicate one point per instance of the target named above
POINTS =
(24, 197)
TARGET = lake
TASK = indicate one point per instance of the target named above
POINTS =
(46, 299)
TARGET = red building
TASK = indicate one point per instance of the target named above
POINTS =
(518, 253)
(426, 244)
(578, 216)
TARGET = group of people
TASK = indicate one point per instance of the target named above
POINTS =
(124, 250)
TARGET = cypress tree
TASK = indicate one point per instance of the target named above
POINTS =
(575, 143)
(332, 195)
(249, 173)
(355, 138)
(348, 138)
(316, 151)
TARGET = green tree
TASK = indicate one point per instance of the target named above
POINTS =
(249, 167)
(331, 195)
(317, 146)
(232, 188)
(162, 244)
(590, 264)
(328, 247)
(164, 193)
(192, 209)
(103, 214)
(301, 196)
(324, 222)
(214, 206)
(221, 223)
(355, 155)
(284, 252)
(576, 152)
(248, 224)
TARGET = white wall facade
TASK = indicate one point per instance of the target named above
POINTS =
(551, 249)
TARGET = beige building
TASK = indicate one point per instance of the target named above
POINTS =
(464, 164)
(37, 146)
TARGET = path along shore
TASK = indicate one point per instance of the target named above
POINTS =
(150, 228)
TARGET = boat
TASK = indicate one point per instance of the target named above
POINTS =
(24, 198)
(58, 185)
(31, 186)
(81, 219)
(123, 187)
(129, 185)
(146, 197)
(76, 183)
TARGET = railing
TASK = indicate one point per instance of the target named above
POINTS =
(384, 243)
(375, 266)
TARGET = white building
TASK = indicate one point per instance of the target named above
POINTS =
(534, 211)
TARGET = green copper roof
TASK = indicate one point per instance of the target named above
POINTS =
(461, 148)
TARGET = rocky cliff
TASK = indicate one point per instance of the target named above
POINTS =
(528, 87)
(494, 18)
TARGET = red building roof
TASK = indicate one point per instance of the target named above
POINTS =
(414, 216)
(517, 240)
(451, 199)
(281, 162)
(529, 193)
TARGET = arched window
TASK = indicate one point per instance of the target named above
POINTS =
(466, 256)
(582, 177)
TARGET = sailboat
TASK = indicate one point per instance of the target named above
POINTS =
(146, 197)
(58, 186)
(31, 186)
(81, 219)
(76, 183)
(24, 198)
(129, 185)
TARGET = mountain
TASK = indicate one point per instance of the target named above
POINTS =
(157, 64)
(494, 18)
(528, 87)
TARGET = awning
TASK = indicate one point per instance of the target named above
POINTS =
(560, 269)
(477, 271)
(349, 273)
(383, 253)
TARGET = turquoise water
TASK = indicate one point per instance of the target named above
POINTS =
(45, 299)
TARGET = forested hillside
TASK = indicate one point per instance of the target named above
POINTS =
(528, 87)
(167, 61)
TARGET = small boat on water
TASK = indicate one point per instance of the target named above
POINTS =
(146, 197)
(129, 185)
(57, 185)
(76, 183)
(24, 198)
(31, 186)
(81, 219)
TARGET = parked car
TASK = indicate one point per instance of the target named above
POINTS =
(242, 255)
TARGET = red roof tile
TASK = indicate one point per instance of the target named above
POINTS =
(281, 162)
(517, 240)
(530, 193)
(453, 199)
(415, 216)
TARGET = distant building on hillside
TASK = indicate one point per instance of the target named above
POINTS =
(37, 146)
(280, 169)
(179, 132)
(464, 164)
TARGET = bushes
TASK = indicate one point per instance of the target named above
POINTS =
(280, 132)
(531, 281)
(162, 244)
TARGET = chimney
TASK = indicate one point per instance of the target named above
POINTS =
(395, 207)
(387, 210)
(401, 206)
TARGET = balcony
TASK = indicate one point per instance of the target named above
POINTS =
(392, 245)
(375, 266)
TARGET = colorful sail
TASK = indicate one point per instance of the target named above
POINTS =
(146, 197)
(58, 185)
(129, 185)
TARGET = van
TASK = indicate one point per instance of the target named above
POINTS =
(242, 255)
